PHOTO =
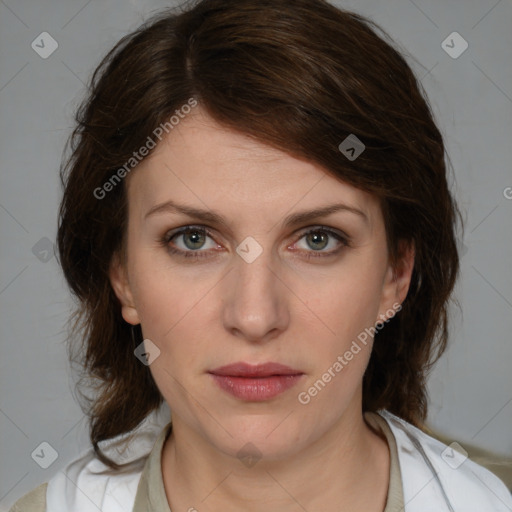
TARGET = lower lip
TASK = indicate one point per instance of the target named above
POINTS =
(256, 389)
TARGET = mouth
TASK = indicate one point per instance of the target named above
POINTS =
(255, 383)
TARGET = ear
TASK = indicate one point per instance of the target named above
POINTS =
(397, 281)
(121, 286)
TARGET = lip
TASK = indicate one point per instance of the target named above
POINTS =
(242, 369)
(255, 383)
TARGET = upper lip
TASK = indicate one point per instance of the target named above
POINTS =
(242, 369)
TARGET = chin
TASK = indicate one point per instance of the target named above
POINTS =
(259, 436)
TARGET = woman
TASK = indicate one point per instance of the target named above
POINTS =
(257, 224)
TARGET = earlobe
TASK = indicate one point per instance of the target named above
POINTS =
(121, 286)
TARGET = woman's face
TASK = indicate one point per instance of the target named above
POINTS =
(257, 287)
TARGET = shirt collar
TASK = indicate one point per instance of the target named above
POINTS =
(151, 494)
(151, 491)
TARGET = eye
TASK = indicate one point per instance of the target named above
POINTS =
(189, 240)
(316, 240)
(192, 239)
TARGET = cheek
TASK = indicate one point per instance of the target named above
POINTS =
(347, 308)
(173, 309)
(346, 301)
(170, 318)
(161, 294)
(168, 313)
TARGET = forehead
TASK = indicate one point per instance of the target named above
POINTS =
(203, 163)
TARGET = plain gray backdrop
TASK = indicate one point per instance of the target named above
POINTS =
(471, 94)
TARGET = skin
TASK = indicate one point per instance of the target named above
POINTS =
(282, 307)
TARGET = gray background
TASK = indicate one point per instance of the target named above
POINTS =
(471, 387)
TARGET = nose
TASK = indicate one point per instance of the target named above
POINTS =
(255, 304)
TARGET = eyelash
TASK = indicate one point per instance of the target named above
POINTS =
(204, 231)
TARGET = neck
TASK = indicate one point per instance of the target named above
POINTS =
(348, 465)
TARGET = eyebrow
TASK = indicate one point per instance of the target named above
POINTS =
(290, 220)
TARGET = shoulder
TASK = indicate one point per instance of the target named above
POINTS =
(433, 471)
(33, 501)
(86, 484)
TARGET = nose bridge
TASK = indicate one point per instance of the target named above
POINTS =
(254, 274)
(255, 302)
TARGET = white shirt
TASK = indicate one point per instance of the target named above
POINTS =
(435, 478)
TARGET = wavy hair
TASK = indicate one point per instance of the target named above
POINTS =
(299, 76)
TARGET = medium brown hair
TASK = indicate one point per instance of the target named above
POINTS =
(299, 76)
